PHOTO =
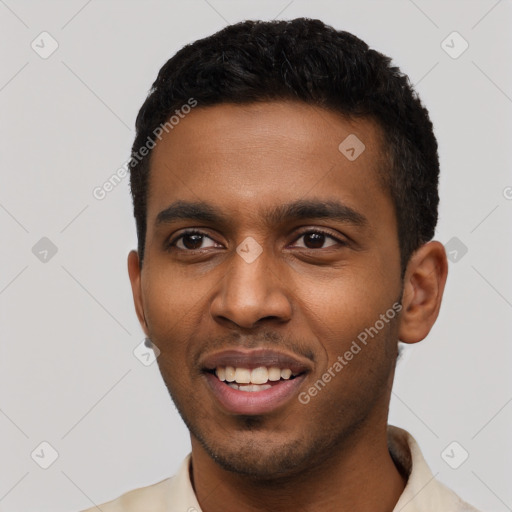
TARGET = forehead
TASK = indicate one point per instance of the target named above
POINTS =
(252, 158)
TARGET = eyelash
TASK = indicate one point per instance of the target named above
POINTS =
(172, 244)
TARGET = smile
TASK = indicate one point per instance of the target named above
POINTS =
(254, 382)
(258, 379)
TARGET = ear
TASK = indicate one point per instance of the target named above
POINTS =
(134, 272)
(424, 282)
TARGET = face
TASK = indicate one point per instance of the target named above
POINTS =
(282, 255)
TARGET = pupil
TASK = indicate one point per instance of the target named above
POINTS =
(317, 240)
(196, 244)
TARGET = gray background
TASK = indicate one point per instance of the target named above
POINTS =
(68, 375)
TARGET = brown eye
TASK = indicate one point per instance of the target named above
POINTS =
(315, 239)
(191, 241)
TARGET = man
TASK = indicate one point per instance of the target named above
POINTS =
(284, 179)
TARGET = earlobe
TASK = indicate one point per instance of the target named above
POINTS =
(134, 272)
(424, 283)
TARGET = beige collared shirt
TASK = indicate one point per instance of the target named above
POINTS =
(423, 493)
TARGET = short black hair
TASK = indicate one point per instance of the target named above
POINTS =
(303, 60)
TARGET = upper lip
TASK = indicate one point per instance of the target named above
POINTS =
(239, 358)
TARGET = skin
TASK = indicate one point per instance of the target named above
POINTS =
(308, 295)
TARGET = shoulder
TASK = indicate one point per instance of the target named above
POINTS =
(423, 492)
(441, 495)
(151, 498)
(173, 493)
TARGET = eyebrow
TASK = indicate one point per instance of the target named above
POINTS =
(296, 210)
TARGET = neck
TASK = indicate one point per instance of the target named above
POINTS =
(359, 475)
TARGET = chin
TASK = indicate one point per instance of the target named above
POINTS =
(260, 454)
(260, 461)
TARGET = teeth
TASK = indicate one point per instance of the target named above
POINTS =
(249, 387)
(286, 373)
(230, 374)
(243, 376)
(259, 375)
(274, 373)
(255, 377)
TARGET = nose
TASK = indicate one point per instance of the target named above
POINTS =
(251, 292)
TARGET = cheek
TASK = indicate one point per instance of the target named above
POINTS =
(168, 313)
(169, 299)
(176, 311)
(346, 307)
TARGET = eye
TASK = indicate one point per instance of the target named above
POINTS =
(315, 239)
(191, 240)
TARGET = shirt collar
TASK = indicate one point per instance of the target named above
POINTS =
(422, 493)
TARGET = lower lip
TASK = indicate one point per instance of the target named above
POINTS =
(254, 402)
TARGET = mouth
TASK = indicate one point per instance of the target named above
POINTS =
(254, 382)
(257, 379)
